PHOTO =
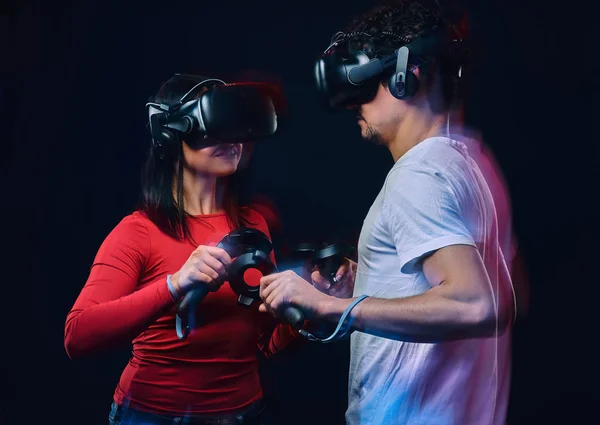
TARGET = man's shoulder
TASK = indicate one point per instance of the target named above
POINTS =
(431, 155)
(434, 164)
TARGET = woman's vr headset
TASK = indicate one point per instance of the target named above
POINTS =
(213, 112)
(347, 77)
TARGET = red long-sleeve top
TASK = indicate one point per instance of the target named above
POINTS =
(126, 298)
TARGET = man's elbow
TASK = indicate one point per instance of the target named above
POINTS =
(487, 320)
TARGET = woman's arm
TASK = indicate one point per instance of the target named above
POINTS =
(110, 309)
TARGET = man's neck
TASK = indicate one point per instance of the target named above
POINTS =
(413, 130)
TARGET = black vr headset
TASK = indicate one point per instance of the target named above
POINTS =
(350, 78)
(213, 112)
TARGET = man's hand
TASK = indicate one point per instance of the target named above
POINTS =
(344, 285)
(279, 290)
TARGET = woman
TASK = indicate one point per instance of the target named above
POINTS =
(189, 204)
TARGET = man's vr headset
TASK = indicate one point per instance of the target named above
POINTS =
(347, 77)
(213, 112)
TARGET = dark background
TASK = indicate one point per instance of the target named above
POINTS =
(73, 83)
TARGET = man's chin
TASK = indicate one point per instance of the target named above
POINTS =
(372, 136)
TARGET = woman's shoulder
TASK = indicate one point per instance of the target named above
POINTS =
(130, 235)
(135, 218)
(136, 224)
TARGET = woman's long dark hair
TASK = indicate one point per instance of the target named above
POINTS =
(165, 164)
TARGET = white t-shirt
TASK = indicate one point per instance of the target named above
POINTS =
(434, 196)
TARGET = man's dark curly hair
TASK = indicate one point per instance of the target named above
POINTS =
(398, 22)
(395, 23)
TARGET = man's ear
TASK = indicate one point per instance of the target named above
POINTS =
(422, 88)
(415, 70)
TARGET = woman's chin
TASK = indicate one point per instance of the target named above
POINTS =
(225, 171)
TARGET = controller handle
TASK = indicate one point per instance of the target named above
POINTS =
(191, 300)
(188, 305)
(294, 317)
(249, 247)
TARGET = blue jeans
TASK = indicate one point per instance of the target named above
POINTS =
(124, 415)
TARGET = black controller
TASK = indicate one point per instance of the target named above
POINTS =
(249, 249)
(328, 258)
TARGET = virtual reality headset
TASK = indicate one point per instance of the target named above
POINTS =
(346, 77)
(213, 112)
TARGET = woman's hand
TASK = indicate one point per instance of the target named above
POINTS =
(344, 285)
(206, 266)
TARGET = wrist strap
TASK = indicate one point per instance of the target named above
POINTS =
(334, 336)
(182, 331)
(172, 289)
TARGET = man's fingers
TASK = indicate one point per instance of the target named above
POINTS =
(268, 279)
(267, 289)
(273, 300)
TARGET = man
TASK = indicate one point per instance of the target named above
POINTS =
(431, 343)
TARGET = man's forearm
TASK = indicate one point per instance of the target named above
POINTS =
(429, 317)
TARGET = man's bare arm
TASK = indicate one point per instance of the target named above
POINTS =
(460, 304)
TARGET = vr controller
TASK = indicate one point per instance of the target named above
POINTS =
(328, 258)
(249, 248)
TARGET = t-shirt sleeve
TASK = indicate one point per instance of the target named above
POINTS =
(421, 209)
